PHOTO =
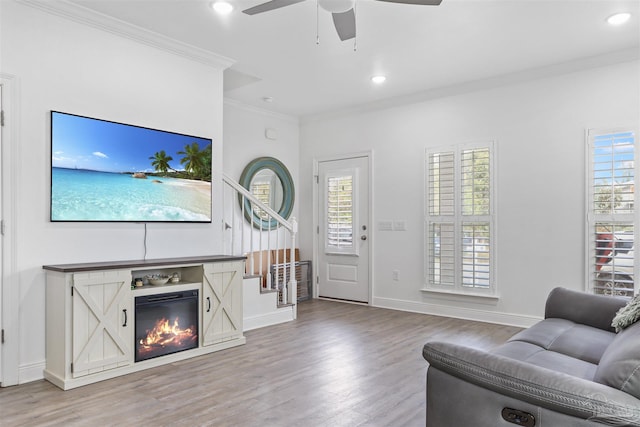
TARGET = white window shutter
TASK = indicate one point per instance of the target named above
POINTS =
(611, 219)
(459, 212)
(340, 187)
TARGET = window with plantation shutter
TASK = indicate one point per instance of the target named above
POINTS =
(612, 222)
(262, 191)
(340, 213)
(459, 222)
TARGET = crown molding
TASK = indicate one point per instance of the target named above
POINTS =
(89, 17)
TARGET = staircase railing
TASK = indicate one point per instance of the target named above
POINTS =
(265, 247)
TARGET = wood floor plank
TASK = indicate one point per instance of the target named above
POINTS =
(337, 365)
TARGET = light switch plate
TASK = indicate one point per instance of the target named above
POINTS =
(400, 225)
(385, 225)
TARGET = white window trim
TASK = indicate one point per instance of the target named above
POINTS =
(457, 289)
(592, 219)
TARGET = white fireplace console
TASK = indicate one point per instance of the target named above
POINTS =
(91, 317)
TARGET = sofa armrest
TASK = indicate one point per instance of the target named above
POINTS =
(549, 389)
(580, 307)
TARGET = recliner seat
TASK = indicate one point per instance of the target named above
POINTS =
(570, 369)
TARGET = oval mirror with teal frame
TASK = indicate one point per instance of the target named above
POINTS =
(279, 195)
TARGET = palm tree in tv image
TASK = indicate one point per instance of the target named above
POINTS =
(161, 161)
(197, 162)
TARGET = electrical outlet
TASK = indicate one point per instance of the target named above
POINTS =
(396, 275)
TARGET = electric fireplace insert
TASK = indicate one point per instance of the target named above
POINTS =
(166, 323)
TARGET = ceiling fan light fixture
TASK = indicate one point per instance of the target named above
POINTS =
(336, 6)
(619, 18)
(222, 7)
(379, 79)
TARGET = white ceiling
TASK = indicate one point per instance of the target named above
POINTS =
(419, 48)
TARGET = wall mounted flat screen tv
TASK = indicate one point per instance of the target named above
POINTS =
(103, 171)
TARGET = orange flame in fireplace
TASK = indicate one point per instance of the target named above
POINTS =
(167, 334)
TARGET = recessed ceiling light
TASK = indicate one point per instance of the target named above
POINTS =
(619, 18)
(267, 99)
(222, 7)
(378, 79)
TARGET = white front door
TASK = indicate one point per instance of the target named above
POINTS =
(343, 229)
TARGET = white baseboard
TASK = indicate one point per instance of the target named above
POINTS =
(280, 315)
(31, 372)
(509, 319)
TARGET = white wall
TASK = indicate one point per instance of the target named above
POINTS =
(245, 140)
(539, 127)
(57, 64)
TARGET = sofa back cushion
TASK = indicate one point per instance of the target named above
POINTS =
(583, 308)
(620, 364)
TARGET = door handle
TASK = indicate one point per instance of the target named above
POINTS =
(208, 304)
(363, 237)
(124, 310)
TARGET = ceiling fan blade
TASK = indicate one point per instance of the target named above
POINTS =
(345, 24)
(270, 5)
(418, 2)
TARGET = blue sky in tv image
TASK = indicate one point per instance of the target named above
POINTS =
(86, 143)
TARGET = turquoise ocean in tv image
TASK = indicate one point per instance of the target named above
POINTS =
(84, 195)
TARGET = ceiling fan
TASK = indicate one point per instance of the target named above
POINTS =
(344, 16)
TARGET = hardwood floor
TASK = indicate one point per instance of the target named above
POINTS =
(337, 365)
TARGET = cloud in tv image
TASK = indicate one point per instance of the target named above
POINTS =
(108, 171)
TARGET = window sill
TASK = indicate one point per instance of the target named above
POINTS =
(461, 294)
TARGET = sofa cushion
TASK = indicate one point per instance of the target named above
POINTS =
(583, 308)
(620, 363)
(583, 342)
(536, 355)
(563, 336)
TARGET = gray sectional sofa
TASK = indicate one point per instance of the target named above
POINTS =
(570, 369)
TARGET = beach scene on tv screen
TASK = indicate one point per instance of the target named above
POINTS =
(106, 171)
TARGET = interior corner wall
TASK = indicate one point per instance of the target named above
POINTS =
(539, 128)
(62, 65)
(245, 140)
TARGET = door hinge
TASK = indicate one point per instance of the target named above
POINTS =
(317, 280)
(2, 227)
(72, 367)
(72, 291)
(2, 338)
(2, 118)
(318, 229)
(317, 177)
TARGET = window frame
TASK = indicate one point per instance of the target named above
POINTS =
(459, 220)
(615, 219)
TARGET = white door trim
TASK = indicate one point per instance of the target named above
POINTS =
(9, 284)
(316, 222)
